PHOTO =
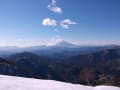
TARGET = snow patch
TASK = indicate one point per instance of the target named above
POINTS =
(18, 83)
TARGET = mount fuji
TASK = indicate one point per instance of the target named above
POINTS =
(56, 49)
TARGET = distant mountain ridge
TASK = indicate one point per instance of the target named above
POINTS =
(64, 44)
(58, 50)
(98, 68)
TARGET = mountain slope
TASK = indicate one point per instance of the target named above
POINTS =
(99, 68)
(96, 68)
(10, 68)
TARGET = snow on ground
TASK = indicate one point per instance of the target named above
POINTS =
(18, 83)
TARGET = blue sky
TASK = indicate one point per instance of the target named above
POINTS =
(34, 22)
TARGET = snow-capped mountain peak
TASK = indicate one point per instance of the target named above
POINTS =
(60, 43)
(65, 44)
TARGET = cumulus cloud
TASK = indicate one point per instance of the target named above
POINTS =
(54, 8)
(49, 22)
(66, 23)
(54, 41)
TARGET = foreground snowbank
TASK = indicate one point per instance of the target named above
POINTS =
(17, 83)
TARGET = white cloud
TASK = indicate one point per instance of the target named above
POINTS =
(53, 7)
(66, 23)
(20, 42)
(54, 2)
(54, 41)
(49, 22)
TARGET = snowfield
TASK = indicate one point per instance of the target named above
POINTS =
(18, 83)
